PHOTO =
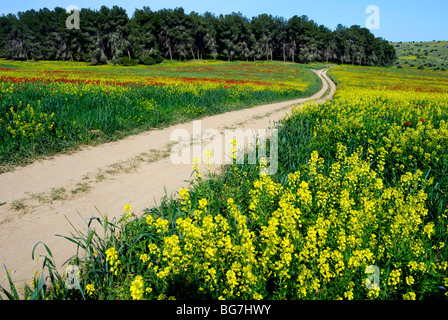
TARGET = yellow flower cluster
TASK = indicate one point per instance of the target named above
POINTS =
(27, 123)
(90, 289)
(303, 235)
(402, 128)
(112, 258)
(184, 197)
(137, 288)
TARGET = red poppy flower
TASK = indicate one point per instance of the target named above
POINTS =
(407, 123)
(421, 120)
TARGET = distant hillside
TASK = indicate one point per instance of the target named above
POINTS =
(427, 55)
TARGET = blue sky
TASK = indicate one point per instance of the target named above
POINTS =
(400, 20)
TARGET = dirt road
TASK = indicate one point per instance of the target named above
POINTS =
(43, 197)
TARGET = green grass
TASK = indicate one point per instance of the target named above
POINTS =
(51, 107)
(431, 55)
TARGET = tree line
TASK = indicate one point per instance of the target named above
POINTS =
(109, 35)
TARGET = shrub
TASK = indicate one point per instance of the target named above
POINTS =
(125, 61)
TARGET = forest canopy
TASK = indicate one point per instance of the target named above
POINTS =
(109, 35)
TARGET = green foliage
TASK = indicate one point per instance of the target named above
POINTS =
(431, 55)
(108, 34)
(361, 181)
(149, 61)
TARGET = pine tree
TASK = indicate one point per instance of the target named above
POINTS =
(110, 36)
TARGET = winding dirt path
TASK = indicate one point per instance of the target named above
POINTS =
(38, 201)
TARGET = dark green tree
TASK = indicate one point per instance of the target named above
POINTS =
(110, 36)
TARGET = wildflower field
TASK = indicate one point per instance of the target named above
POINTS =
(358, 209)
(50, 107)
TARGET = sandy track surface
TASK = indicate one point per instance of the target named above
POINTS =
(40, 199)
